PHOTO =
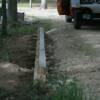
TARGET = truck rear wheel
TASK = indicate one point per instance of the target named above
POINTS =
(68, 19)
(77, 20)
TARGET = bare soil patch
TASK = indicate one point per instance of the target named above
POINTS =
(18, 71)
(22, 50)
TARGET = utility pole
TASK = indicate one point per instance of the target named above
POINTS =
(4, 18)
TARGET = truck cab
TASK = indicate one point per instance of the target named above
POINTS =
(79, 10)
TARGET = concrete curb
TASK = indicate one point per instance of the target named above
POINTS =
(40, 72)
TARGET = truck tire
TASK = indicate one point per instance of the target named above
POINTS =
(68, 19)
(77, 20)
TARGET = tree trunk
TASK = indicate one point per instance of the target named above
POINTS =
(30, 3)
(44, 4)
(12, 10)
(4, 18)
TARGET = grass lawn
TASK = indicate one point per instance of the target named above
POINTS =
(36, 4)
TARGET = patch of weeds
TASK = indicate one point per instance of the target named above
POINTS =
(64, 88)
(47, 24)
(34, 91)
(22, 29)
(44, 91)
(61, 90)
(14, 31)
(43, 22)
(68, 91)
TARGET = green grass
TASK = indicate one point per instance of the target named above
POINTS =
(14, 32)
(68, 92)
(23, 4)
(46, 23)
(43, 91)
(35, 4)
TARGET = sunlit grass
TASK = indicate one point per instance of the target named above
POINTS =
(24, 4)
(36, 4)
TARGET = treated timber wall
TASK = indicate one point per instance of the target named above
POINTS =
(40, 59)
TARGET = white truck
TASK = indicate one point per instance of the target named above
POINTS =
(79, 10)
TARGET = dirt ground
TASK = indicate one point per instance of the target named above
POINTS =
(17, 71)
(77, 53)
(74, 52)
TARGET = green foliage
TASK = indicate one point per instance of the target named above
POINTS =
(68, 92)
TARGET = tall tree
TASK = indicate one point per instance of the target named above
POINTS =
(4, 18)
(44, 4)
(12, 10)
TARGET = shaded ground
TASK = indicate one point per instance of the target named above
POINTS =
(18, 71)
(22, 50)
